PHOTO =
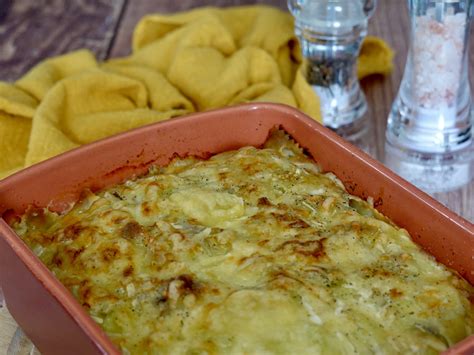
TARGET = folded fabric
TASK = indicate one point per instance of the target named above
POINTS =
(191, 61)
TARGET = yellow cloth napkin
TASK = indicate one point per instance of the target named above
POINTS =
(181, 63)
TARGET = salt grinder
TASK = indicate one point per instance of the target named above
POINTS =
(429, 132)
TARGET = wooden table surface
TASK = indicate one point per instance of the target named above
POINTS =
(31, 30)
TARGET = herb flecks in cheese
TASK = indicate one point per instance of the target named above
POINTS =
(252, 251)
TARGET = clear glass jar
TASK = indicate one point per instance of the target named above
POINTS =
(429, 130)
(330, 34)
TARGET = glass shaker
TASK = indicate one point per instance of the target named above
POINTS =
(429, 133)
(330, 34)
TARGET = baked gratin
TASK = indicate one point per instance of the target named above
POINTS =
(253, 251)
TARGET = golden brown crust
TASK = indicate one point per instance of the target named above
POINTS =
(250, 251)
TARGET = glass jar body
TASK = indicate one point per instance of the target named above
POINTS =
(330, 34)
(429, 129)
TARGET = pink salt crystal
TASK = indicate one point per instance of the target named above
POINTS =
(437, 57)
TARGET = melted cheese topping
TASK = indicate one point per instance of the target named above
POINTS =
(251, 251)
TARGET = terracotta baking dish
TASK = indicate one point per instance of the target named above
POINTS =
(57, 324)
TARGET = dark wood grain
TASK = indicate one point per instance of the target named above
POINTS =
(32, 30)
(138, 8)
(390, 22)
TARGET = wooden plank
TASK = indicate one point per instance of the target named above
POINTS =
(136, 9)
(32, 30)
(390, 22)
